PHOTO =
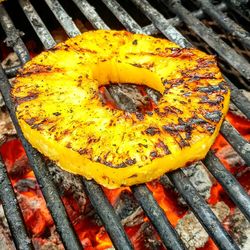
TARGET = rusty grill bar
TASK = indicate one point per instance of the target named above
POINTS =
(111, 221)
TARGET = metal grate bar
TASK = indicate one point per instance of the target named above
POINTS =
(13, 211)
(106, 212)
(241, 7)
(161, 23)
(151, 29)
(238, 98)
(202, 211)
(37, 24)
(12, 71)
(213, 40)
(229, 183)
(123, 16)
(241, 146)
(225, 22)
(13, 36)
(157, 216)
(48, 188)
(90, 13)
(63, 18)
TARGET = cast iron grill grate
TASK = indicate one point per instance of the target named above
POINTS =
(99, 201)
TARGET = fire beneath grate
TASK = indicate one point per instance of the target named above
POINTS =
(91, 216)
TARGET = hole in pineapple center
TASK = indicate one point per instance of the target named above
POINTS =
(127, 87)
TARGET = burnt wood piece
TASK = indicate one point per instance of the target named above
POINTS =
(202, 211)
(13, 36)
(229, 183)
(192, 232)
(239, 228)
(13, 211)
(68, 183)
(128, 209)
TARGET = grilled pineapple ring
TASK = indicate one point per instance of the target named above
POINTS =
(61, 114)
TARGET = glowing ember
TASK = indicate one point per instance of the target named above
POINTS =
(85, 221)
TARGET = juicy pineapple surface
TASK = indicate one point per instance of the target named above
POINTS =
(61, 113)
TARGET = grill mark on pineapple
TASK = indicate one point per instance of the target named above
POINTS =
(124, 164)
(31, 96)
(162, 145)
(31, 121)
(40, 69)
(194, 76)
(206, 100)
(222, 87)
(197, 121)
(173, 52)
(213, 116)
(81, 50)
(152, 131)
(174, 130)
(168, 110)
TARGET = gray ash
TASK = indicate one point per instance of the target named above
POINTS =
(50, 242)
(146, 238)
(239, 227)
(68, 183)
(192, 232)
(128, 209)
(199, 177)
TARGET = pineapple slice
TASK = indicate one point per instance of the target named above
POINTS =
(61, 114)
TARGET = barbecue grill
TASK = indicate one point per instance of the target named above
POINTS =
(165, 25)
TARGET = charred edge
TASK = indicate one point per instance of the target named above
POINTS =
(84, 151)
(223, 87)
(139, 116)
(152, 131)
(126, 163)
(135, 42)
(162, 145)
(168, 110)
(206, 100)
(39, 69)
(213, 116)
(173, 52)
(92, 139)
(29, 97)
(201, 122)
(194, 76)
(133, 176)
(174, 132)
(204, 62)
(31, 121)
(181, 53)
(77, 48)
